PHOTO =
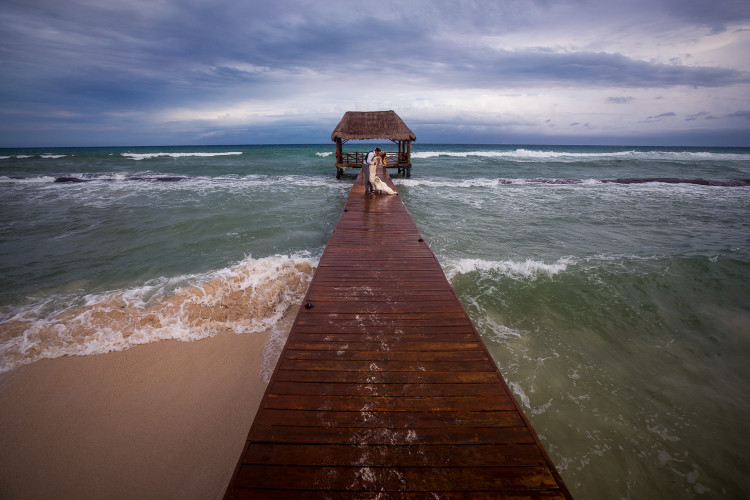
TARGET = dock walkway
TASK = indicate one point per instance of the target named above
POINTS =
(384, 388)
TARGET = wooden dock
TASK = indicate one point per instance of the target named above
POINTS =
(384, 388)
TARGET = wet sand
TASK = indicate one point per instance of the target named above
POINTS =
(162, 420)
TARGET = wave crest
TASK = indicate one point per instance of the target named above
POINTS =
(492, 183)
(147, 156)
(249, 297)
(522, 154)
(48, 156)
(514, 269)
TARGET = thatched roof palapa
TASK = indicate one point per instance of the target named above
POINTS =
(361, 125)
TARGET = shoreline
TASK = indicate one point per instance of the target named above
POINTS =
(167, 419)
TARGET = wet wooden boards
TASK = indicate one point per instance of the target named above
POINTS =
(384, 388)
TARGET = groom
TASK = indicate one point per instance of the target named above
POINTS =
(369, 160)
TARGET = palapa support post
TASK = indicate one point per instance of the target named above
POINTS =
(364, 125)
(408, 159)
(404, 158)
(339, 151)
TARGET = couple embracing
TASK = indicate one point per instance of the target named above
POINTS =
(373, 183)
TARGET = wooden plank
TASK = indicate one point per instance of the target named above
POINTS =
(427, 345)
(384, 388)
(372, 259)
(256, 494)
(389, 420)
(394, 298)
(386, 377)
(372, 320)
(387, 355)
(388, 366)
(354, 389)
(524, 455)
(356, 276)
(431, 309)
(379, 333)
(368, 402)
(387, 479)
(391, 436)
(405, 341)
(415, 267)
(384, 287)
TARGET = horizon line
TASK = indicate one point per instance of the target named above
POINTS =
(385, 141)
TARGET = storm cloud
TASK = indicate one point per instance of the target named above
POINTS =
(140, 72)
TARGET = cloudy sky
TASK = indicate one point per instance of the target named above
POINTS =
(161, 72)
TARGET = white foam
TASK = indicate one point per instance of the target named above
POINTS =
(591, 182)
(107, 190)
(30, 180)
(515, 269)
(663, 433)
(323, 155)
(51, 156)
(146, 156)
(518, 390)
(541, 409)
(251, 296)
(493, 183)
(490, 326)
(438, 182)
(522, 154)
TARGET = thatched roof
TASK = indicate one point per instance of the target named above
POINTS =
(362, 125)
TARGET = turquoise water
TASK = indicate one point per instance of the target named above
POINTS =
(610, 284)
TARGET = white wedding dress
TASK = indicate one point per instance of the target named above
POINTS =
(377, 183)
(381, 187)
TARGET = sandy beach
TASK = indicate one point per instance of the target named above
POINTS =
(162, 420)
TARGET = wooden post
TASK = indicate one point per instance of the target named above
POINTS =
(339, 151)
(398, 157)
(408, 159)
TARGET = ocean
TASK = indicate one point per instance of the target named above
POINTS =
(609, 283)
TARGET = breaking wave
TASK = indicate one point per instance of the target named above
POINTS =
(147, 156)
(484, 182)
(47, 156)
(522, 154)
(147, 178)
(252, 296)
(514, 269)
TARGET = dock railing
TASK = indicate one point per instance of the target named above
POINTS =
(356, 159)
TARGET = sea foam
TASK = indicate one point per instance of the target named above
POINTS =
(30, 180)
(514, 269)
(146, 156)
(250, 297)
(522, 154)
(567, 181)
(48, 156)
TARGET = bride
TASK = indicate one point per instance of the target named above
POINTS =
(377, 183)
